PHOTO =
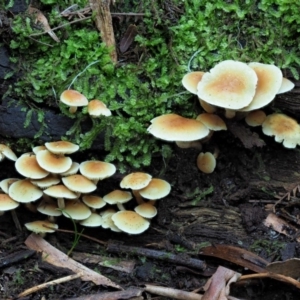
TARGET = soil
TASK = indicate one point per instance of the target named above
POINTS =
(227, 207)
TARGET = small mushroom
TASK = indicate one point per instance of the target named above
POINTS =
(191, 80)
(7, 203)
(73, 99)
(93, 201)
(118, 197)
(146, 210)
(41, 227)
(94, 220)
(130, 222)
(255, 118)
(5, 151)
(79, 184)
(97, 108)
(286, 86)
(284, 128)
(61, 147)
(76, 210)
(206, 162)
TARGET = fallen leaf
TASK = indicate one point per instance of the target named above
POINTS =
(128, 38)
(290, 267)
(218, 286)
(55, 257)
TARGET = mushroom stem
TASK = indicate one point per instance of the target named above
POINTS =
(229, 114)
(61, 203)
(72, 109)
(138, 197)
(31, 207)
(121, 206)
(152, 202)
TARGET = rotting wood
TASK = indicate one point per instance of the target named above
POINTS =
(15, 257)
(103, 22)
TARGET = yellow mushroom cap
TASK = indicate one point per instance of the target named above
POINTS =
(135, 181)
(76, 210)
(191, 80)
(79, 183)
(53, 163)
(60, 191)
(46, 181)
(172, 127)
(230, 84)
(286, 86)
(146, 210)
(206, 162)
(117, 196)
(73, 98)
(284, 128)
(93, 201)
(41, 226)
(97, 170)
(7, 152)
(212, 122)
(61, 147)
(97, 108)
(156, 189)
(130, 222)
(24, 191)
(94, 220)
(268, 85)
(255, 118)
(28, 166)
(49, 207)
(7, 203)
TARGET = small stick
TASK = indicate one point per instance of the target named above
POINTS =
(172, 293)
(48, 284)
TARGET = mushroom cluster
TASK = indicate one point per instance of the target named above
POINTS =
(233, 86)
(236, 86)
(56, 186)
(74, 99)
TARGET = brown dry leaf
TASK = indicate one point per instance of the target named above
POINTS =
(218, 286)
(40, 18)
(55, 257)
(128, 38)
(236, 255)
(281, 226)
(290, 267)
(245, 135)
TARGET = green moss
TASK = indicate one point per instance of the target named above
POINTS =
(168, 36)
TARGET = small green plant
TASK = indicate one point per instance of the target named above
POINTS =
(270, 247)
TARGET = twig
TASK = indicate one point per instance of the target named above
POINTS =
(171, 293)
(80, 234)
(60, 26)
(183, 260)
(48, 284)
(40, 41)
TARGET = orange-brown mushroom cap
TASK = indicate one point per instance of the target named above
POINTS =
(230, 84)
(190, 81)
(284, 128)
(97, 108)
(172, 127)
(73, 99)
(206, 162)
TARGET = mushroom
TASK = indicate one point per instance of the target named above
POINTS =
(41, 227)
(206, 162)
(94, 220)
(76, 210)
(212, 122)
(146, 210)
(61, 147)
(96, 170)
(60, 192)
(155, 190)
(136, 181)
(79, 184)
(284, 128)
(24, 191)
(97, 108)
(255, 118)
(108, 222)
(230, 84)
(130, 222)
(209, 108)
(46, 182)
(49, 208)
(93, 201)
(172, 127)
(7, 203)
(52, 162)
(268, 84)
(5, 151)
(118, 197)
(5, 184)
(73, 170)
(73, 99)
(191, 80)
(286, 86)
(28, 166)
